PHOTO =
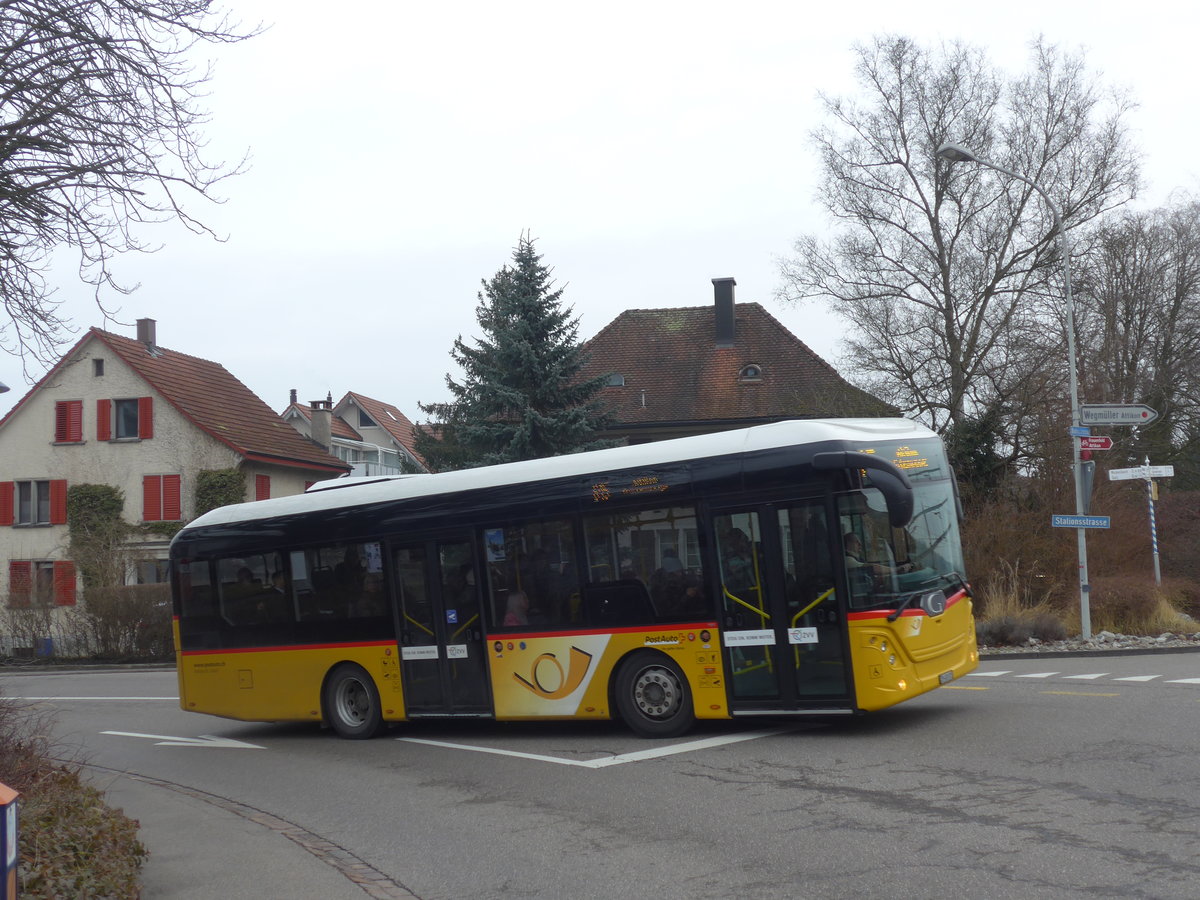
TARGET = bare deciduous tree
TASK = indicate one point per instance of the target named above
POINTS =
(943, 272)
(1139, 304)
(100, 131)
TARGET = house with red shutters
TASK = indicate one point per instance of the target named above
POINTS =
(374, 437)
(697, 369)
(130, 413)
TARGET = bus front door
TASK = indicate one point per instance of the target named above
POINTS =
(782, 621)
(442, 665)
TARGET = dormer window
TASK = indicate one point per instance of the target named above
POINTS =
(750, 372)
(616, 379)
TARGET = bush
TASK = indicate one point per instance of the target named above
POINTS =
(71, 844)
(1128, 604)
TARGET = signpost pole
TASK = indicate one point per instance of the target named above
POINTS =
(956, 153)
(1153, 526)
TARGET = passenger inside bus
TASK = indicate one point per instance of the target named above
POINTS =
(517, 610)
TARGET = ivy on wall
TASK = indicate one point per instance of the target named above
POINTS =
(219, 487)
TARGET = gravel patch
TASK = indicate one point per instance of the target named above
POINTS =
(1102, 643)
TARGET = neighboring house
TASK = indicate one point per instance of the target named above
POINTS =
(373, 436)
(147, 420)
(699, 369)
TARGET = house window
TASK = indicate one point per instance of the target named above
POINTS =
(42, 580)
(125, 420)
(68, 422)
(97, 367)
(262, 487)
(364, 421)
(161, 500)
(152, 571)
(41, 502)
(616, 379)
(750, 372)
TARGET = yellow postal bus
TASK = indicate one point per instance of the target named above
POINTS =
(794, 569)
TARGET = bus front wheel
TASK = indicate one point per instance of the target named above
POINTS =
(652, 695)
(351, 703)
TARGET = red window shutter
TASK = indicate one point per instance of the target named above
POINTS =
(68, 421)
(152, 498)
(20, 582)
(64, 582)
(172, 507)
(58, 502)
(6, 502)
(145, 417)
(262, 487)
(104, 420)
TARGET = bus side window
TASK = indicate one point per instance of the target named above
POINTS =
(646, 563)
(197, 600)
(532, 578)
(254, 590)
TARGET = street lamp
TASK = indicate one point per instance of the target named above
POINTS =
(955, 153)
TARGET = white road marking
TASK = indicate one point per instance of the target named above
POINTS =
(204, 740)
(1184, 681)
(1138, 678)
(42, 699)
(988, 674)
(605, 762)
(1085, 677)
(1037, 675)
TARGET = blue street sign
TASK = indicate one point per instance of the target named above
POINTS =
(1080, 521)
(1079, 431)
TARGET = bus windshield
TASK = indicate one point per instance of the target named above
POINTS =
(885, 565)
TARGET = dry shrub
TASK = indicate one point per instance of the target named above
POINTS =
(1010, 614)
(71, 844)
(1128, 604)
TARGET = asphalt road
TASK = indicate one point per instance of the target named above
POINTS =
(1063, 777)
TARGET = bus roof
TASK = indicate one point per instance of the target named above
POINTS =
(724, 443)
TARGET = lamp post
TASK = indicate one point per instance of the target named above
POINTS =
(955, 153)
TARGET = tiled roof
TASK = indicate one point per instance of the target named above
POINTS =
(338, 427)
(674, 372)
(387, 417)
(213, 400)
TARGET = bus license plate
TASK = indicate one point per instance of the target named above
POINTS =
(945, 678)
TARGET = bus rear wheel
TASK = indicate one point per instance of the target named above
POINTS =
(351, 703)
(652, 695)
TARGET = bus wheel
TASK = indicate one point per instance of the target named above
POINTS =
(351, 703)
(653, 696)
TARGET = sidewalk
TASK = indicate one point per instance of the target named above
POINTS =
(199, 850)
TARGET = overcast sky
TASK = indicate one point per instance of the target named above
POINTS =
(399, 149)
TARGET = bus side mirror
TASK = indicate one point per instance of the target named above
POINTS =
(892, 482)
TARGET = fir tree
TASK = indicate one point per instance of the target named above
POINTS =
(520, 397)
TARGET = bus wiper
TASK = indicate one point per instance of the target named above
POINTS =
(904, 604)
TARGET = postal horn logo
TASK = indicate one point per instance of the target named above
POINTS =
(547, 678)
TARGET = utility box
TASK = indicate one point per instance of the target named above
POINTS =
(8, 843)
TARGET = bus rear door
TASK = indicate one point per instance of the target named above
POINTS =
(441, 635)
(783, 623)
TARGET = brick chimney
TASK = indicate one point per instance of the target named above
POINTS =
(723, 296)
(322, 422)
(292, 400)
(146, 333)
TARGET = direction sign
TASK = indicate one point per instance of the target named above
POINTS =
(1116, 414)
(1141, 472)
(1080, 521)
(1095, 443)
